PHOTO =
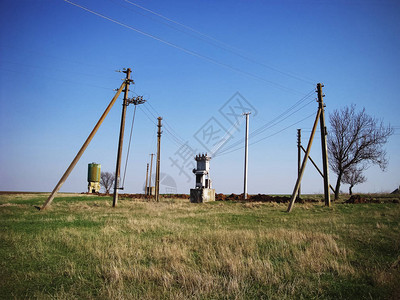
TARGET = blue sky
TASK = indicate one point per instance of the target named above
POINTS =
(189, 60)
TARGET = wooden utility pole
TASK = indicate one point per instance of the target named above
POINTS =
(320, 117)
(83, 148)
(128, 80)
(151, 169)
(158, 160)
(298, 158)
(324, 144)
(147, 179)
(246, 155)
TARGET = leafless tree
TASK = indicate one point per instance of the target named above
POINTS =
(107, 180)
(352, 177)
(355, 140)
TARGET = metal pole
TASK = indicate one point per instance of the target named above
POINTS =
(298, 158)
(158, 159)
(121, 137)
(147, 179)
(83, 148)
(303, 165)
(246, 155)
(324, 145)
(151, 169)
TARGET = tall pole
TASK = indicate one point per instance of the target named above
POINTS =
(151, 169)
(298, 158)
(121, 137)
(158, 160)
(246, 155)
(147, 179)
(324, 145)
(83, 148)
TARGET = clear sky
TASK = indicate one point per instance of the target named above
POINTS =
(195, 62)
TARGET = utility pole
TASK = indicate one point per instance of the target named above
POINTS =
(320, 117)
(83, 148)
(158, 160)
(298, 158)
(324, 144)
(121, 136)
(246, 154)
(147, 178)
(151, 169)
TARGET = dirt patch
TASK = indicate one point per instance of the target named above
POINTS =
(357, 199)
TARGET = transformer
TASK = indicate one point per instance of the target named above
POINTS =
(203, 191)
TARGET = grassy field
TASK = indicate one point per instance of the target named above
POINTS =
(82, 248)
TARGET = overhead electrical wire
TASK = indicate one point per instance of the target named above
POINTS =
(218, 43)
(169, 136)
(264, 138)
(267, 125)
(280, 118)
(177, 140)
(190, 52)
(166, 124)
(129, 147)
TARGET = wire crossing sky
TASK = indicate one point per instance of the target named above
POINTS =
(200, 65)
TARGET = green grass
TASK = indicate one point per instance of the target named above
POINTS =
(81, 247)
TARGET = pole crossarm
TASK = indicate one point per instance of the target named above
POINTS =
(82, 150)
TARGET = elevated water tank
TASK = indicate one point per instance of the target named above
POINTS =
(94, 172)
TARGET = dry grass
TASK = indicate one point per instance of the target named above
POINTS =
(82, 248)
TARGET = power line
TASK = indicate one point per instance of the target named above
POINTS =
(173, 136)
(170, 136)
(264, 138)
(167, 126)
(268, 125)
(218, 43)
(190, 52)
(273, 122)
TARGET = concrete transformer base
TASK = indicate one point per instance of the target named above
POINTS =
(202, 195)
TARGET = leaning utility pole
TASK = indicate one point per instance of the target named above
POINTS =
(147, 178)
(121, 136)
(158, 160)
(298, 158)
(324, 146)
(151, 169)
(246, 154)
(83, 148)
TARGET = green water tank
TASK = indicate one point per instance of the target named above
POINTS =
(94, 172)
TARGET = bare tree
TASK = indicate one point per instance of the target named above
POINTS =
(352, 177)
(107, 180)
(355, 140)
